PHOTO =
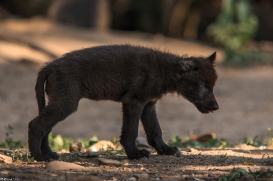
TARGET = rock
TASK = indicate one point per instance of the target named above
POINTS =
(247, 177)
(7, 152)
(109, 162)
(75, 147)
(205, 138)
(132, 179)
(64, 151)
(245, 147)
(5, 172)
(192, 150)
(92, 155)
(86, 177)
(142, 142)
(60, 165)
(270, 161)
(102, 145)
(5, 159)
(142, 176)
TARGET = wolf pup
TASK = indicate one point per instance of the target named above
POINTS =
(133, 75)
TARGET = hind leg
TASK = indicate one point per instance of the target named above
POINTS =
(40, 127)
(35, 136)
(46, 150)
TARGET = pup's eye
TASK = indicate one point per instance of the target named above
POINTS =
(203, 87)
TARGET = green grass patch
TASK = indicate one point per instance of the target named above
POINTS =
(10, 142)
(237, 175)
(188, 143)
(234, 29)
(59, 142)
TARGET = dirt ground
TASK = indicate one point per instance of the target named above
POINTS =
(245, 97)
(202, 164)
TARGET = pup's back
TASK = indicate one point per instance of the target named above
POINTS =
(110, 72)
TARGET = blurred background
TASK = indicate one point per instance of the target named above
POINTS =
(33, 32)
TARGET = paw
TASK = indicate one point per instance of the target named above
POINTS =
(46, 150)
(52, 155)
(40, 157)
(167, 150)
(138, 154)
(49, 156)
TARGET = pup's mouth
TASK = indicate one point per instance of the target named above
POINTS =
(206, 111)
(210, 111)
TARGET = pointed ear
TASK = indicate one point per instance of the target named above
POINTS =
(212, 58)
(187, 66)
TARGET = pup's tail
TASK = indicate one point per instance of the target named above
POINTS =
(40, 88)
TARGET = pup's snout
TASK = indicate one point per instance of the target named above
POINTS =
(215, 107)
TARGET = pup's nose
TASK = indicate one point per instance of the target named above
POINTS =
(215, 107)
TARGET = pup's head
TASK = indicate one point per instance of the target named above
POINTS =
(196, 79)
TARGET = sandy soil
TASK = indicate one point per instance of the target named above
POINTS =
(201, 165)
(245, 97)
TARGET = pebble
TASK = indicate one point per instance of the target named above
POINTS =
(270, 161)
(142, 142)
(205, 138)
(141, 176)
(132, 179)
(5, 159)
(5, 172)
(192, 150)
(92, 154)
(75, 147)
(247, 177)
(86, 177)
(109, 162)
(60, 165)
(102, 145)
(245, 147)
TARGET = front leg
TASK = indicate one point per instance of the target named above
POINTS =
(131, 115)
(154, 133)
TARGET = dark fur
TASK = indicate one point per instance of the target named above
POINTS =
(135, 76)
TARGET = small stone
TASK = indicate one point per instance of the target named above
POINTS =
(64, 151)
(75, 147)
(5, 159)
(83, 154)
(5, 172)
(86, 177)
(178, 153)
(205, 138)
(270, 161)
(245, 147)
(141, 176)
(102, 145)
(60, 165)
(142, 142)
(125, 162)
(247, 177)
(192, 150)
(109, 162)
(132, 179)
